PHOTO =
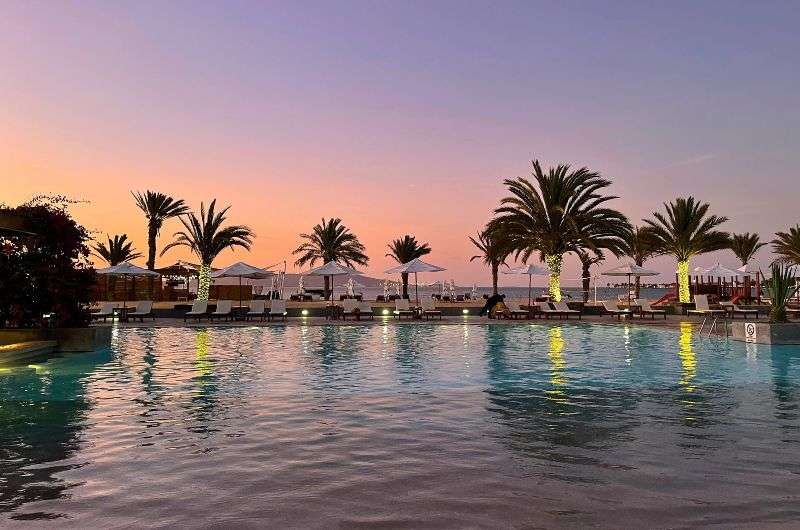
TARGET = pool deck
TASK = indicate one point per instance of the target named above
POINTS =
(672, 321)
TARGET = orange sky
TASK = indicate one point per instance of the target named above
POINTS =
(399, 119)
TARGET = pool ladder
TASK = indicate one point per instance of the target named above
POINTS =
(714, 319)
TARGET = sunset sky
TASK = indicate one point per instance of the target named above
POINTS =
(398, 117)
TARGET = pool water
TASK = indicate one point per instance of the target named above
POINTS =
(528, 425)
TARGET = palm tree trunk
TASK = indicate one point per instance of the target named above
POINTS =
(585, 279)
(684, 296)
(404, 276)
(204, 281)
(152, 232)
(554, 263)
(638, 281)
(495, 268)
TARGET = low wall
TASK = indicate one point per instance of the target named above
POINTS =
(68, 339)
(766, 333)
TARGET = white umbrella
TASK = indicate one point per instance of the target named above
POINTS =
(531, 271)
(629, 270)
(126, 269)
(241, 270)
(332, 269)
(416, 265)
(748, 270)
(718, 271)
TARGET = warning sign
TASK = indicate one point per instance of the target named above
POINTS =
(750, 333)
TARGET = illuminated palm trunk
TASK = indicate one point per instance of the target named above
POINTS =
(554, 263)
(684, 296)
(204, 281)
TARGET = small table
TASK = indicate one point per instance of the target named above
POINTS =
(122, 312)
(334, 312)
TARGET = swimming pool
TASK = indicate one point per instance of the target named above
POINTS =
(414, 425)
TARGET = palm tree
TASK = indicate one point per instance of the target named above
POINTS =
(602, 230)
(787, 246)
(117, 250)
(157, 208)
(745, 246)
(404, 250)
(545, 215)
(640, 245)
(206, 238)
(494, 251)
(685, 231)
(330, 241)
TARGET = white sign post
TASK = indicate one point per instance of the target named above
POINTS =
(750, 333)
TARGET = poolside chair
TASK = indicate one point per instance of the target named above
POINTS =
(143, 309)
(224, 310)
(564, 309)
(106, 311)
(612, 309)
(647, 309)
(402, 308)
(702, 307)
(258, 308)
(277, 309)
(199, 310)
(733, 310)
(792, 312)
(364, 309)
(546, 310)
(515, 309)
(429, 309)
(349, 305)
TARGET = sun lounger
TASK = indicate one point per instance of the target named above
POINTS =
(647, 309)
(349, 306)
(402, 308)
(143, 309)
(429, 309)
(106, 311)
(277, 309)
(258, 308)
(515, 309)
(733, 310)
(364, 309)
(612, 309)
(565, 310)
(792, 312)
(702, 307)
(199, 310)
(546, 310)
(224, 310)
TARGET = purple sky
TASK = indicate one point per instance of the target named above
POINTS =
(399, 116)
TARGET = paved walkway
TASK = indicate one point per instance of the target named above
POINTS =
(672, 321)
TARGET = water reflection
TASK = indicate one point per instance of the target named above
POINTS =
(44, 413)
(785, 377)
(543, 414)
(688, 357)
(556, 355)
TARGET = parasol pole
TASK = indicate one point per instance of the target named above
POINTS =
(416, 287)
(530, 283)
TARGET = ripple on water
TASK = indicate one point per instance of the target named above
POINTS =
(416, 426)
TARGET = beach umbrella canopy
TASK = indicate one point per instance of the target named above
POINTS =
(416, 265)
(531, 270)
(750, 268)
(718, 271)
(125, 269)
(241, 270)
(630, 270)
(332, 269)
